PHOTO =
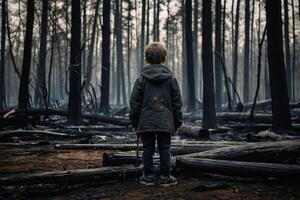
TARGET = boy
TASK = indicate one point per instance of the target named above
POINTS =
(155, 112)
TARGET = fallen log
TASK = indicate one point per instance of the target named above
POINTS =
(242, 117)
(16, 133)
(239, 168)
(73, 176)
(64, 113)
(194, 132)
(176, 149)
(127, 158)
(274, 152)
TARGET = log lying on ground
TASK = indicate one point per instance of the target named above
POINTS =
(239, 168)
(239, 117)
(16, 133)
(275, 152)
(73, 176)
(176, 149)
(194, 132)
(64, 113)
(126, 158)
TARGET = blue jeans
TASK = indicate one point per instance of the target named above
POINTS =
(164, 145)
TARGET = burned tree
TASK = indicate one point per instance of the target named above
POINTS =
(75, 65)
(24, 82)
(89, 66)
(105, 75)
(2, 64)
(246, 52)
(218, 49)
(279, 93)
(189, 53)
(40, 91)
(209, 112)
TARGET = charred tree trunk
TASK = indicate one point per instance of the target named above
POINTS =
(195, 42)
(235, 49)
(2, 64)
(75, 65)
(246, 52)
(287, 47)
(209, 112)
(24, 82)
(189, 53)
(218, 48)
(184, 55)
(148, 22)
(105, 75)
(280, 100)
(120, 64)
(89, 66)
(142, 42)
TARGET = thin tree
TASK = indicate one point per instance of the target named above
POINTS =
(246, 51)
(2, 64)
(279, 94)
(89, 66)
(142, 42)
(24, 82)
(40, 90)
(235, 48)
(218, 48)
(195, 38)
(75, 65)
(105, 70)
(189, 53)
(287, 46)
(209, 112)
(120, 65)
(294, 51)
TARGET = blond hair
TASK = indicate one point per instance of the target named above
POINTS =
(155, 53)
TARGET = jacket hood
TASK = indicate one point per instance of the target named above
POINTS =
(156, 73)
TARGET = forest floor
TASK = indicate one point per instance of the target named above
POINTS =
(205, 186)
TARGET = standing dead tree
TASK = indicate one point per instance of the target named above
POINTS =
(23, 90)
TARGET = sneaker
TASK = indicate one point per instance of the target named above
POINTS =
(167, 181)
(147, 179)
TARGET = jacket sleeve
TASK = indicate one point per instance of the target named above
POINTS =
(136, 100)
(176, 103)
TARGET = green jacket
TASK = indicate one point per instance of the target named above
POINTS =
(155, 102)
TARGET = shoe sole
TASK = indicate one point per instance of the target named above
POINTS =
(145, 183)
(168, 184)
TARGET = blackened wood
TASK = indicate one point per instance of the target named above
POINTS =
(209, 110)
(279, 93)
(73, 176)
(194, 132)
(273, 152)
(189, 54)
(74, 106)
(2, 64)
(239, 168)
(40, 90)
(23, 98)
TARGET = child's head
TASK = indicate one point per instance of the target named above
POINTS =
(155, 53)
